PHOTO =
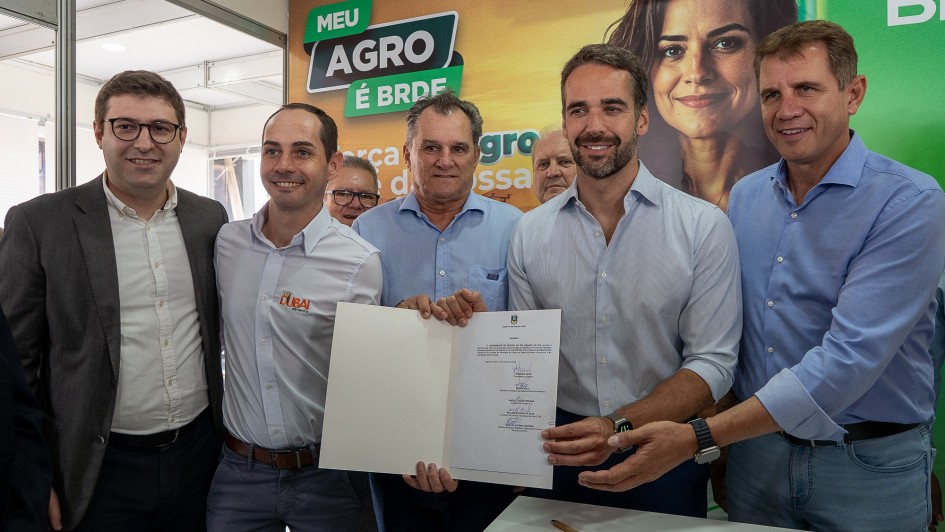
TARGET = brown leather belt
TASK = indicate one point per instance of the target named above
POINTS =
(866, 430)
(277, 459)
(151, 441)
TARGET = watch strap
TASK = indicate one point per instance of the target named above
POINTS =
(708, 449)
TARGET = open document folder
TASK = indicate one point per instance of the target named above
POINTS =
(474, 399)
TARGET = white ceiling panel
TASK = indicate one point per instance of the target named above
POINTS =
(213, 98)
(163, 47)
(161, 37)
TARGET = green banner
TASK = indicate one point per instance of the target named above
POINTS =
(390, 94)
(388, 49)
(337, 20)
(897, 40)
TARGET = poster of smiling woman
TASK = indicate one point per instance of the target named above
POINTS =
(705, 123)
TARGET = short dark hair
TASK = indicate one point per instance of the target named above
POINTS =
(443, 103)
(790, 41)
(612, 56)
(139, 83)
(360, 163)
(329, 130)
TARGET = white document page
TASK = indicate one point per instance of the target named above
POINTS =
(472, 399)
(508, 362)
(388, 387)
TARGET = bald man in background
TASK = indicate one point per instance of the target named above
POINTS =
(553, 165)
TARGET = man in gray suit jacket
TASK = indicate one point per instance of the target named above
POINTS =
(109, 288)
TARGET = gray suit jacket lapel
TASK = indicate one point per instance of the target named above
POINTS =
(94, 231)
(193, 228)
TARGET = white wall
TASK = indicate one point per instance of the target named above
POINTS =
(239, 127)
(27, 96)
(272, 13)
(30, 91)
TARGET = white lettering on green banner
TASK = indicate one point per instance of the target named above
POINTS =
(399, 92)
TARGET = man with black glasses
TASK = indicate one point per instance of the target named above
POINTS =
(353, 190)
(110, 292)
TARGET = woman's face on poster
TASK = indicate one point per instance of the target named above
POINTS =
(702, 74)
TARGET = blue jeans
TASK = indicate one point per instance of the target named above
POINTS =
(156, 489)
(248, 495)
(471, 508)
(879, 484)
(681, 491)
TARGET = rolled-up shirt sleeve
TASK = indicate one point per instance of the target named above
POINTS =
(888, 290)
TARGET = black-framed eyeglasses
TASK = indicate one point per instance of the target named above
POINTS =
(129, 129)
(345, 197)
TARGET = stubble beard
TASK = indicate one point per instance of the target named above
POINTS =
(602, 168)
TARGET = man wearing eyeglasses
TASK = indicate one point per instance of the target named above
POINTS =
(353, 190)
(110, 292)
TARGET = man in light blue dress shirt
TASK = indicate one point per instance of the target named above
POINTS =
(647, 279)
(281, 276)
(444, 252)
(840, 249)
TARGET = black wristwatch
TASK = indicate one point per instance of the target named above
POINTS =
(621, 424)
(708, 450)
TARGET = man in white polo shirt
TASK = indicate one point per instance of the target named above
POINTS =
(281, 276)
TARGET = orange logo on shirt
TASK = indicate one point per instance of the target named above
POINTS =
(294, 303)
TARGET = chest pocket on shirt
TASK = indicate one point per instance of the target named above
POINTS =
(492, 283)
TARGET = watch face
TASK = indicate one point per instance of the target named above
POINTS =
(707, 455)
(620, 425)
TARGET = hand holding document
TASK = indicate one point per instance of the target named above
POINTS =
(473, 400)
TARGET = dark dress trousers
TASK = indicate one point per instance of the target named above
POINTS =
(25, 470)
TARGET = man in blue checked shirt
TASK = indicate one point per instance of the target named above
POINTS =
(646, 277)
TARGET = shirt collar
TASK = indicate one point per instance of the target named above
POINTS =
(847, 169)
(474, 202)
(645, 186)
(307, 238)
(124, 209)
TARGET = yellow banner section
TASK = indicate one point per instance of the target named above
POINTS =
(512, 54)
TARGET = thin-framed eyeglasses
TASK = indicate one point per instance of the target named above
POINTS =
(129, 129)
(344, 197)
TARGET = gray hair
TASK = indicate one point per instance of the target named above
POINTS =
(443, 103)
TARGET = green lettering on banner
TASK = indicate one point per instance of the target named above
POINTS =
(337, 20)
(390, 94)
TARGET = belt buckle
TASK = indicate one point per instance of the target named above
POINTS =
(274, 454)
(176, 434)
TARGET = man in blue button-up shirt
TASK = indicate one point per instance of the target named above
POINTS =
(443, 250)
(840, 249)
